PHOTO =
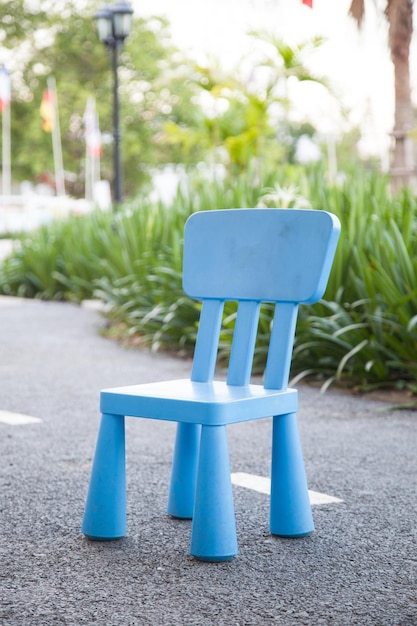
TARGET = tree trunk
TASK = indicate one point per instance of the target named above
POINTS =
(399, 14)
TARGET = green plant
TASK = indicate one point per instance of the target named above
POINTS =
(363, 333)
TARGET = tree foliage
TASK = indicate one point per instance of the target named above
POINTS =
(172, 110)
(247, 119)
(56, 40)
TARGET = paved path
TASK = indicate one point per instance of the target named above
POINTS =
(358, 567)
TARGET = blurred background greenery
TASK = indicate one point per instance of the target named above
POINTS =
(173, 111)
(236, 146)
(362, 334)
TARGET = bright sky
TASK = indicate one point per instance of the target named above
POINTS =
(357, 64)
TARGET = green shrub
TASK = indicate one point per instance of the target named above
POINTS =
(362, 333)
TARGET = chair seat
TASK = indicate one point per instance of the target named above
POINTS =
(214, 403)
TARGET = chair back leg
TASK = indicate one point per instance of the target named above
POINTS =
(290, 512)
(184, 471)
(105, 510)
(213, 536)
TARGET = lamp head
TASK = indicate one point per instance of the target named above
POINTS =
(104, 22)
(114, 23)
(122, 19)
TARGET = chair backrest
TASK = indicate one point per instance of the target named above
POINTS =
(253, 256)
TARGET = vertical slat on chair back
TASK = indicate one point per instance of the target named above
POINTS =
(243, 344)
(255, 255)
(205, 353)
(278, 364)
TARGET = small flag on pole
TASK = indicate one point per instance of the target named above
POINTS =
(47, 111)
(308, 3)
(5, 91)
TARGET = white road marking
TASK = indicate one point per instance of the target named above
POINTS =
(17, 419)
(322, 498)
(262, 484)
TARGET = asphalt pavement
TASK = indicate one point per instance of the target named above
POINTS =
(359, 567)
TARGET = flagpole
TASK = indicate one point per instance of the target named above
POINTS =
(88, 194)
(5, 99)
(93, 175)
(6, 166)
(96, 158)
(93, 149)
(89, 158)
(56, 142)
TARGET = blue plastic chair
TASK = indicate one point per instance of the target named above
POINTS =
(250, 256)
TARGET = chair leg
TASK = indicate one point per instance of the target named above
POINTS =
(290, 514)
(184, 471)
(213, 535)
(105, 510)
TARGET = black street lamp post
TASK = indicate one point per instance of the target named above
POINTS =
(113, 26)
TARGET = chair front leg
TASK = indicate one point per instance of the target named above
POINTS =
(105, 509)
(290, 512)
(184, 471)
(214, 529)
